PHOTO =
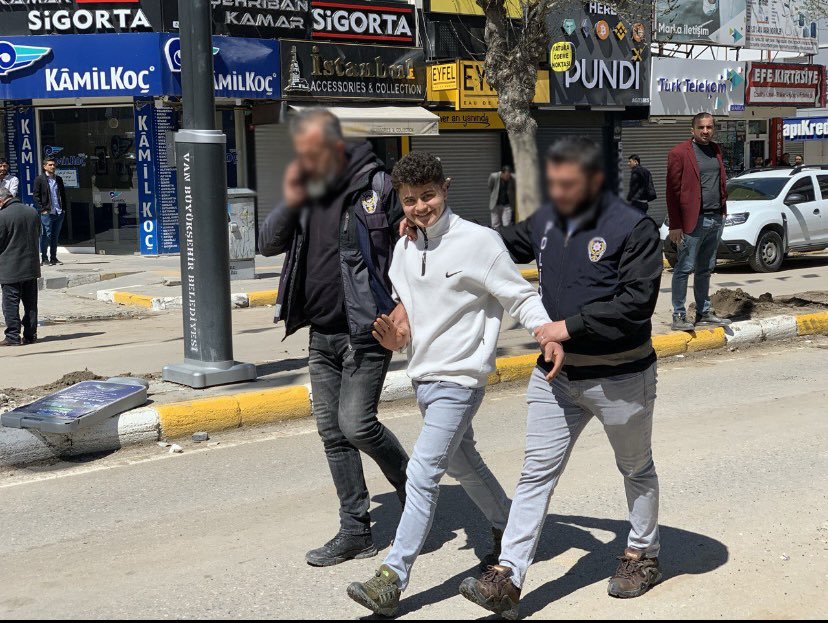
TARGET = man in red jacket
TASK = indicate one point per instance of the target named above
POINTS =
(696, 205)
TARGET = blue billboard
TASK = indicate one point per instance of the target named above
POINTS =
(133, 65)
(805, 129)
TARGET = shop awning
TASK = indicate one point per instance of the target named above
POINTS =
(381, 121)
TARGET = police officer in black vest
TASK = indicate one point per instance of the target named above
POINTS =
(600, 267)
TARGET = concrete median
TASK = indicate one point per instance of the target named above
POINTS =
(257, 407)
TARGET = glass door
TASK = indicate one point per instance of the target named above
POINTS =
(94, 148)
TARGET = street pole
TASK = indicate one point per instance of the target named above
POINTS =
(202, 205)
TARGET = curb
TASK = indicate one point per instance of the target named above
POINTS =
(261, 298)
(217, 413)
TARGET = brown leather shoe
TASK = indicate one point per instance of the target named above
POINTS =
(494, 591)
(635, 575)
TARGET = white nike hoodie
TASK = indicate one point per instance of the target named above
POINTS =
(455, 281)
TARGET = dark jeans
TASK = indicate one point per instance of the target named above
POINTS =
(13, 294)
(346, 388)
(697, 254)
(51, 225)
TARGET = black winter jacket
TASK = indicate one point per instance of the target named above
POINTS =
(19, 236)
(603, 280)
(367, 234)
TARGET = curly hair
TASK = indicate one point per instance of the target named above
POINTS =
(418, 168)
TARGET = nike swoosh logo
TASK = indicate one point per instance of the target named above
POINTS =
(450, 275)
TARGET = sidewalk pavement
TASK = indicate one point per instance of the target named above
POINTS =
(250, 405)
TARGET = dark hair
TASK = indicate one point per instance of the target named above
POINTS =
(3, 160)
(577, 150)
(505, 169)
(635, 157)
(418, 168)
(700, 116)
(47, 160)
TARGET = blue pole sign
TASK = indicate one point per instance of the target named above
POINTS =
(20, 143)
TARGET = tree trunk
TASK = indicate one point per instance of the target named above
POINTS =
(511, 69)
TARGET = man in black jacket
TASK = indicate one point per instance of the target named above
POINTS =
(19, 268)
(641, 185)
(600, 267)
(49, 196)
(336, 224)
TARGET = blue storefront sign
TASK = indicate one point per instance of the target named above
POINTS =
(244, 68)
(80, 66)
(133, 65)
(805, 129)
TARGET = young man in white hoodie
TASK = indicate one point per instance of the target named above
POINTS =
(453, 283)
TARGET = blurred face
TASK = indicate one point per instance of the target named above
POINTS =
(4, 169)
(797, 159)
(505, 175)
(703, 130)
(50, 167)
(423, 205)
(632, 163)
(758, 161)
(320, 159)
(570, 187)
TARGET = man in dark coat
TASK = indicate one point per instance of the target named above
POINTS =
(641, 185)
(19, 268)
(49, 196)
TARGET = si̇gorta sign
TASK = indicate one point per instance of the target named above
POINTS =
(47, 17)
(805, 129)
(685, 87)
(360, 21)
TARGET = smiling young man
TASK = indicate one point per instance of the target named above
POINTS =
(454, 282)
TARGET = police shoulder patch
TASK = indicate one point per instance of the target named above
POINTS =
(597, 247)
(370, 201)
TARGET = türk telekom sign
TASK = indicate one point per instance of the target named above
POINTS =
(57, 17)
(358, 21)
(778, 84)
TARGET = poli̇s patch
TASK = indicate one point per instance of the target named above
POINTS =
(370, 201)
(597, 247)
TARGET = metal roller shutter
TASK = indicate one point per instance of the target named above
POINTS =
(273, 153)
(795, 148)
(469, 159)
(547, 136)
(652, 143)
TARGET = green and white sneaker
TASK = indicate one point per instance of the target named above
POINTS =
(380, 594)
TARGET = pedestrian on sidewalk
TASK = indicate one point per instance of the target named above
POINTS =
(467, 269)
(600, 264)
(49, 196)
(642, 190)
(502, 197)
(696, 206)
(7, 180)
(19, 268)
(337, 224)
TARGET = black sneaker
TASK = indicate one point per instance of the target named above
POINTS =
(341, 548)
(680, 323)
(44, 261)
(711, 320)
(492, 558)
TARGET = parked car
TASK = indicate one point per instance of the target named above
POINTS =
(769, 213)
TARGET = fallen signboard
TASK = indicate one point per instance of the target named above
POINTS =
(81, 405)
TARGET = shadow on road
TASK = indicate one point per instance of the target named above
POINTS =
(683, 552)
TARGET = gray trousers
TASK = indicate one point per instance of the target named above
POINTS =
(501, 216)
(558, 412)
(446, 444)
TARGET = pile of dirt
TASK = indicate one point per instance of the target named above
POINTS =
(739, 305)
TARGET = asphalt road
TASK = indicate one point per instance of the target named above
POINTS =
(740, 445)
(145, 345)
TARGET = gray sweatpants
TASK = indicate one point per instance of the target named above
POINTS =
(558, 412)
(446, 444)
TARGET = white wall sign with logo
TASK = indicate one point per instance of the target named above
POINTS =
(720, 22)
(70, 177)
(782, 26)
(685, 87)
